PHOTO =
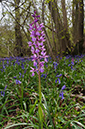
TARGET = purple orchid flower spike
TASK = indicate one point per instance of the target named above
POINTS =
(37, 47)
(39, 56)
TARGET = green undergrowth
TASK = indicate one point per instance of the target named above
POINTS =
(19, 94)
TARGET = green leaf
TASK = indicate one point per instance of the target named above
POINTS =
(79, 123)
(40, 116)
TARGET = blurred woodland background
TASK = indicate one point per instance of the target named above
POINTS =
(63, 20)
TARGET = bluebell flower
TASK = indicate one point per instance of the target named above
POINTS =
(55, 65)
(61, 95)
(25, 71)
(63, 87)
(10, 57)
(20, 74)
(17, 62)
(44, 75)
(5, 87)
(61, 58)
(72, 68)
(2, 70)
(14, 77)
(18, 82)
(69, 64)
(58, 79)
(3, 66)
(3, 92)
(72, 63)
(22, 66)
(68, 56)
(46, 65)
(61, 92)
(7, 61)
(59, 75)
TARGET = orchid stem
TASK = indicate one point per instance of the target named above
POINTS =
(39, 88)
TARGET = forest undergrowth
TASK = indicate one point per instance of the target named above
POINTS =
(63, 94)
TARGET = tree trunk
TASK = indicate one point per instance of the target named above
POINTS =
(65, 23)
(78, 26)
(18, 36)
(81, 20)
(61, 30)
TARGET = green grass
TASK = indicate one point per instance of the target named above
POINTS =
(19, 104)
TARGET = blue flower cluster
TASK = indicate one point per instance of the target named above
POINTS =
(3, 92)
(61, 92)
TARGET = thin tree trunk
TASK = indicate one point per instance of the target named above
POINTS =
(65, 22)
(81, 20)
(64, 14)
(18, 36)
(55, 45)
(63, 37)
(78, 26)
